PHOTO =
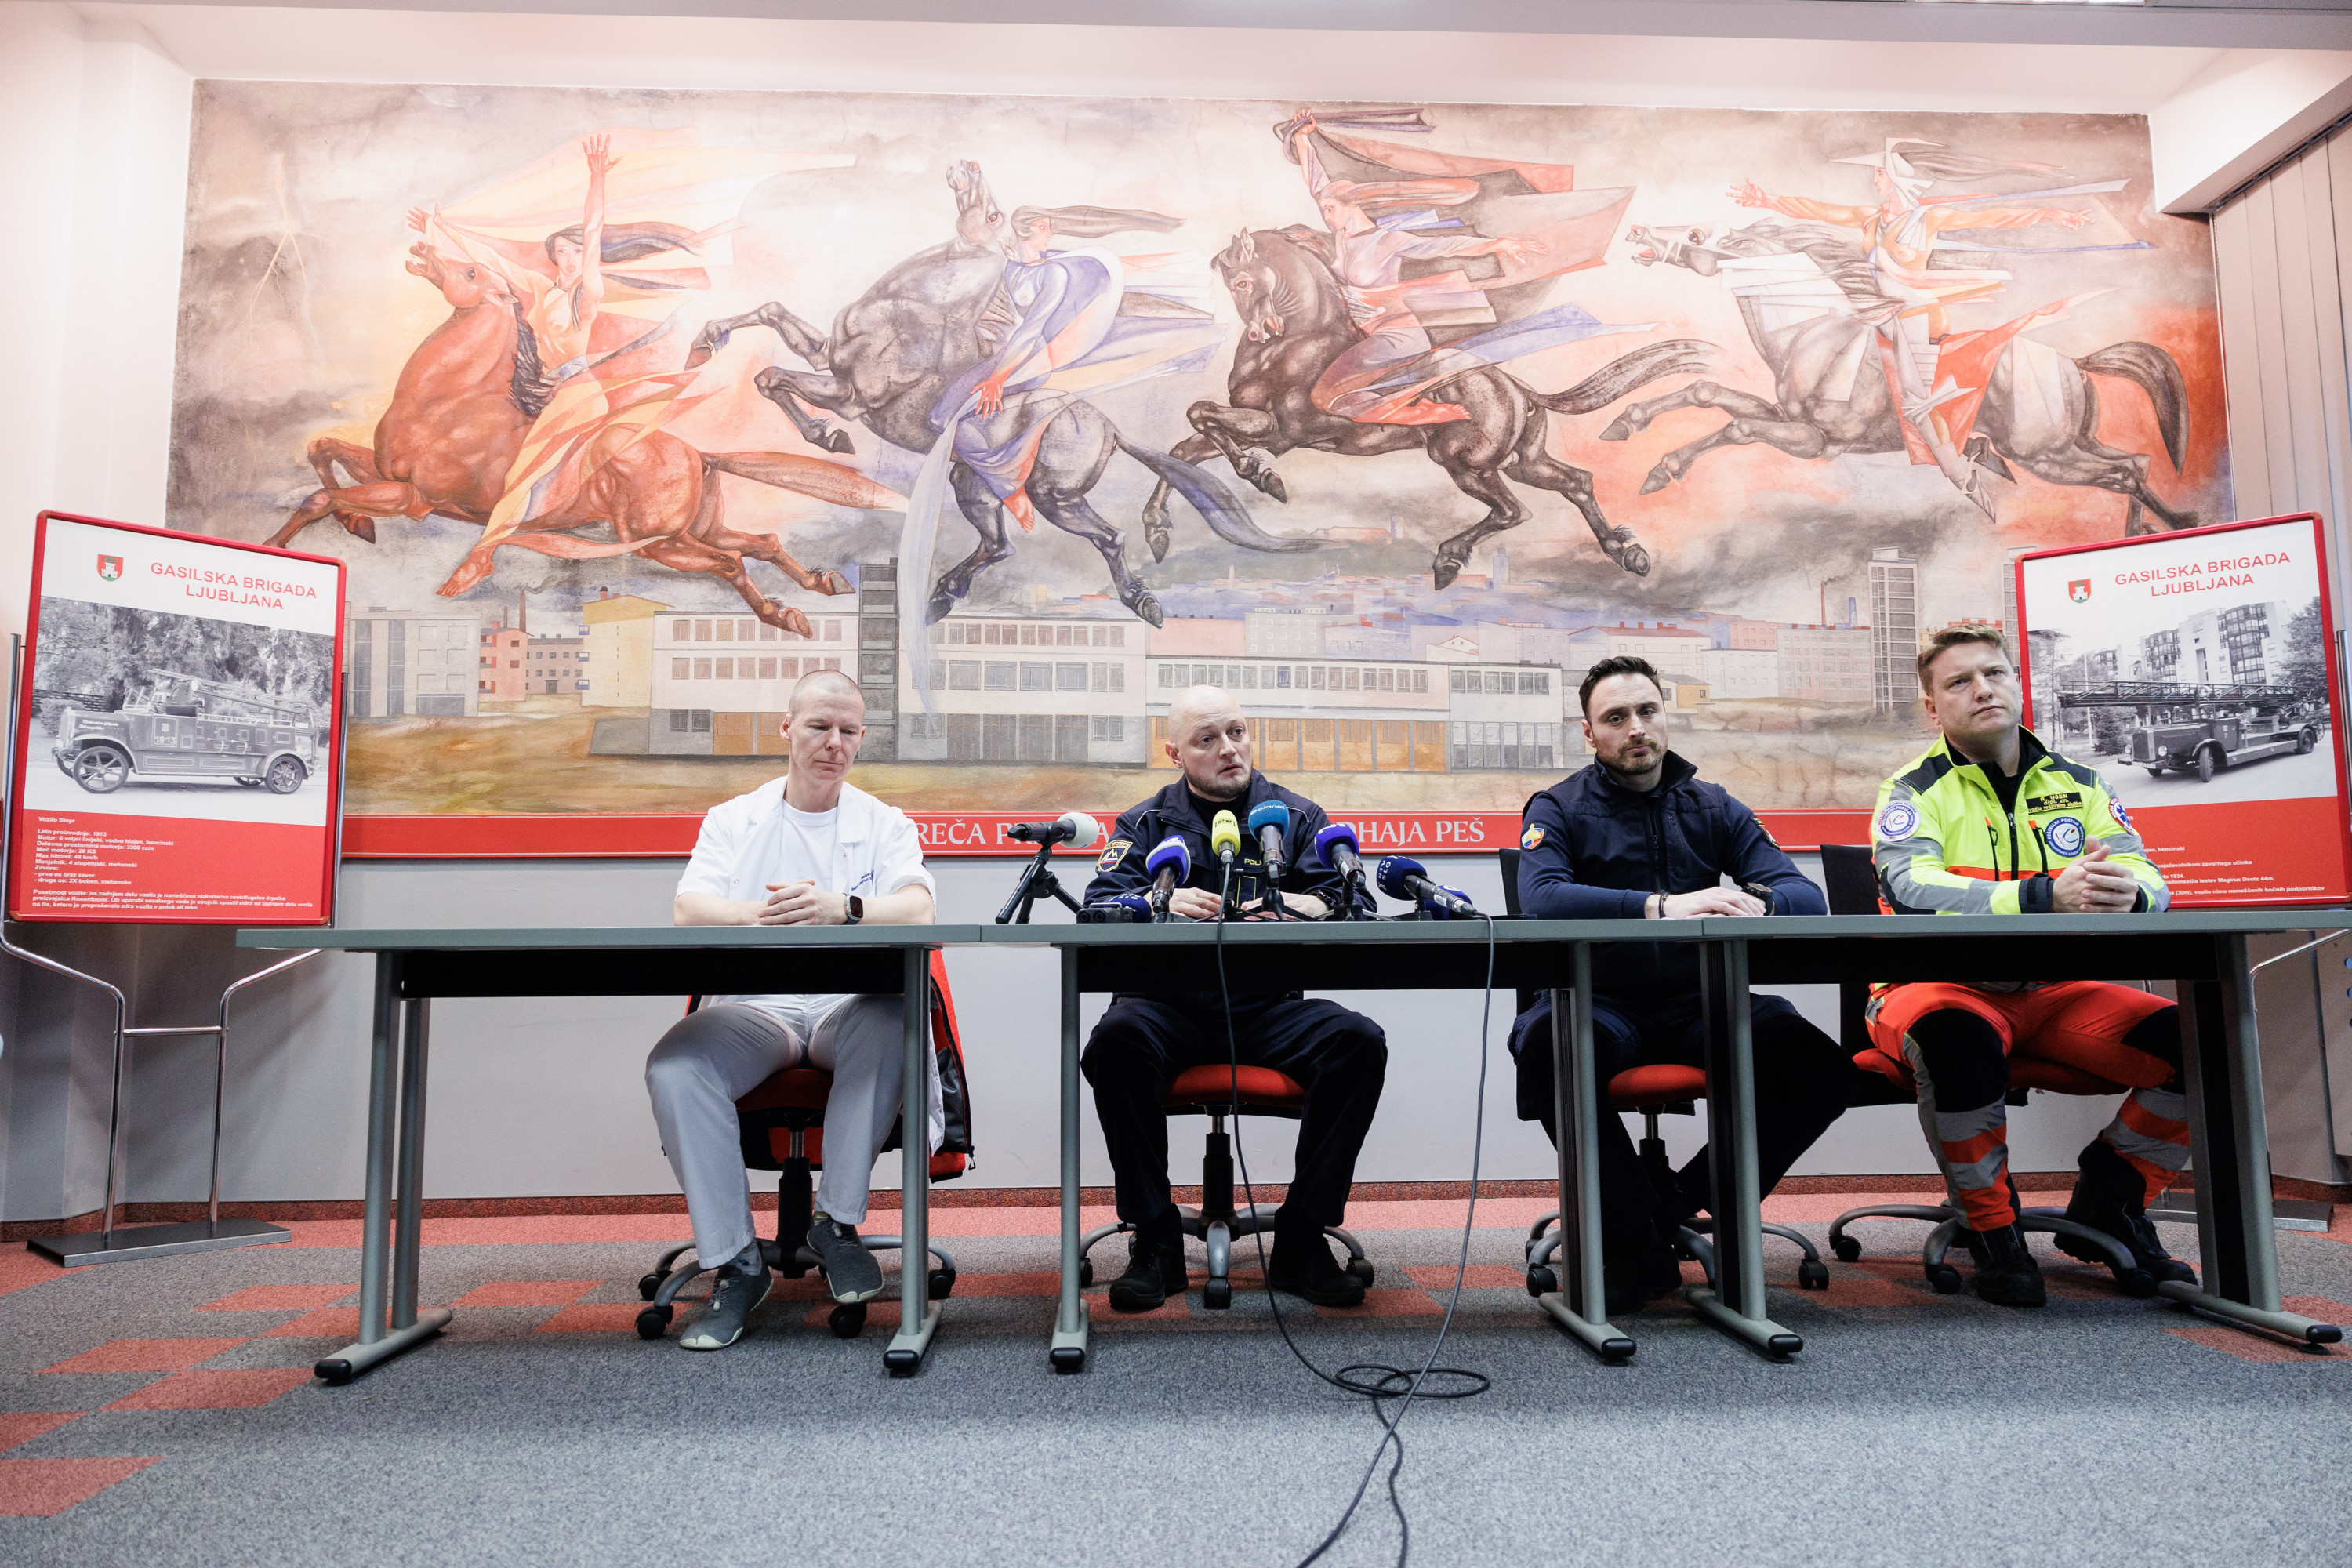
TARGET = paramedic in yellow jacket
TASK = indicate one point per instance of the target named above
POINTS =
(1990, 821)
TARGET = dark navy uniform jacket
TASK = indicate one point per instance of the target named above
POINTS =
(1590, 848)
(1119, 868)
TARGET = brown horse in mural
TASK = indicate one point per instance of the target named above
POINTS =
(1296, 323)
(459, 415)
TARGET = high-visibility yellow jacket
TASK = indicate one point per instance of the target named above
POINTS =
(1943, 844)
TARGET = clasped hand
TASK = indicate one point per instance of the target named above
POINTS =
(1709, 902)
(802, 903)
(1200, 904)
(2094, 886)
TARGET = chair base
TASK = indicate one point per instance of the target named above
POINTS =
(1218, 1233)
(1949, 1221)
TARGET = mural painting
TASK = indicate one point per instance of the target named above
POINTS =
(624, 409)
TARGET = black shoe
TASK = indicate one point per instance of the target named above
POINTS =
(1155, 1266)
(2007, 1275)
(1629, 1283)
(1301, 1264)
(2108, 1197)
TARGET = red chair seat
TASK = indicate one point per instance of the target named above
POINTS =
(793, 1088)
(1663, 1084)
(1216, 1085)
(2024, 1072)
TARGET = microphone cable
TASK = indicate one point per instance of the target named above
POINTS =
(1373, 1380)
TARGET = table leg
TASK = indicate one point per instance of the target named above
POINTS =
(1068, 1351)
(1582, 1308)
(408, 1205)
(918, 1318)
(1737, 1301)
(376, 1342)
(2230, 1145)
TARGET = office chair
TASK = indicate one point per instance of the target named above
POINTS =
(1851, 884)
(1665, 1089)
(782, 1124)
(1217, 1092)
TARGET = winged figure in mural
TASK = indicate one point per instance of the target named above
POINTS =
(1386, 329)
(979, 354)
(536, 409)
(1847, 306)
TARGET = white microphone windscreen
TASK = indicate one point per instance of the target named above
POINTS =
(1085, 829)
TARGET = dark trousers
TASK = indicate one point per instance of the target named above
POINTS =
(1805, 1081)
(1142, 1043)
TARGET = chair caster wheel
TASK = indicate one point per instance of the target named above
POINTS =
(1217, 1295)
(1359, 1269)
(1543, 1281)
(648, 1287)
(1813, 1274)
(2138, 1284)
(1945, 1278)
(1085, 1274)
(846, 1321)
(654, 1322)
(942, 1284)
(1847, 1249)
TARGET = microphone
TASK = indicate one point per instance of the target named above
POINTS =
(1224, 837)
(1338, 848)
(1169, 863)
(1270, 820)
(1075, 828)
(1405, 878)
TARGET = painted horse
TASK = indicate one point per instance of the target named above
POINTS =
(1295, 324)
(1812, 319)
(459, 414)
(895, 351)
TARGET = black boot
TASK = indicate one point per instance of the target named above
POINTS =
(2007, 1275)
(1302, 1264)
(1631, 1282)
(1155, 1265)
(2110, 1196)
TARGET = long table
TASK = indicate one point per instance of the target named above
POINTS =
(2204, 951)
(415, 967)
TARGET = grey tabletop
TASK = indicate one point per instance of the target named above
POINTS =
(2170, 922)
(577, 938)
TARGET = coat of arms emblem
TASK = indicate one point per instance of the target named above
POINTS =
(110, 568)
(2079, 590)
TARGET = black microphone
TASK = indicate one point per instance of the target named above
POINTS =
(1405, 878)
(1075, 828)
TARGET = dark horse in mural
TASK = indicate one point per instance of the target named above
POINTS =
(1813, 322)
(895, 352)
(1295, 324)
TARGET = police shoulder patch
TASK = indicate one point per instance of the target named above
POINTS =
(1113, 853)
(1897, 819)
(2066, 836)
(1531, 838)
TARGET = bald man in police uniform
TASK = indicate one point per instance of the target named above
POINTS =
(1143, 1042)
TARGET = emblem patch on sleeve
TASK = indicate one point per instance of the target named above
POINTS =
(1113, 853)
(1531, 838)
(2066, 836)
(2123, 817)
(1897, 820)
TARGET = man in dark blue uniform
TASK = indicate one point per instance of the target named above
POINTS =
(1143, 1042)
(1637, 834)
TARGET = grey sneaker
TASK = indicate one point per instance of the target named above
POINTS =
(734, 1297)
(850, 1271)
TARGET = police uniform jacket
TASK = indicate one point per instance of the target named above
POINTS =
(1589, 848)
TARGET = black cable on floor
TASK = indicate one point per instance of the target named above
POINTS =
(1384, 1380)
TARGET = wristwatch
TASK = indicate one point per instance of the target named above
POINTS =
(857, 910)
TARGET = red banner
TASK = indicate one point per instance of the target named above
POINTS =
(956, 832)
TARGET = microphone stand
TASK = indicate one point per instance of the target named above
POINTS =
(1037, 880)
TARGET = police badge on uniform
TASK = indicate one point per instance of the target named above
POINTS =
(1113, 853)
(1531, 838)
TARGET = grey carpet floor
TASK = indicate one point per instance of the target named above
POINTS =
(1913, 1429)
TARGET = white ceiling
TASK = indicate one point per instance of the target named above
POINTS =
(332, 43)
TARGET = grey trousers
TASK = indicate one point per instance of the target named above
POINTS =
(717, 1053)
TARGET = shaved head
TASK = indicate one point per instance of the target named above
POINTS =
(822, 683)
(1209, 739)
